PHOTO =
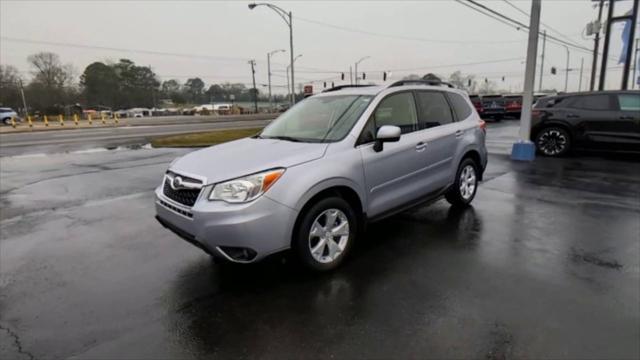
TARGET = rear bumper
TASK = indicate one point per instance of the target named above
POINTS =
(223, 230)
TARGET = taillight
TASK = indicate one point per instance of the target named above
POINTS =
(483, 125)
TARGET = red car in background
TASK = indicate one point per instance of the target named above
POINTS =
(513, 105)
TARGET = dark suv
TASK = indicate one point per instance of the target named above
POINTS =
(599, 120)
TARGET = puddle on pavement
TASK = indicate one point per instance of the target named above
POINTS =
(579, 255)
(146, 146)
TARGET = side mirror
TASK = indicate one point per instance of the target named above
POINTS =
(386, 133)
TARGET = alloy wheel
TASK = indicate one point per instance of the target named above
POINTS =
(552, 142)
(328, 235)
(468, 182)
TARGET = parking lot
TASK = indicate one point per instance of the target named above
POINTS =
(545, 264)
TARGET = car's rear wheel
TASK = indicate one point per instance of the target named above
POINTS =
(553, 141)
(464, 188)
(326, 233)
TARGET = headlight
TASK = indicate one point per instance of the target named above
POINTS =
(246, 188)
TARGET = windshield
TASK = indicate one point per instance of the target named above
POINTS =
(318, 119)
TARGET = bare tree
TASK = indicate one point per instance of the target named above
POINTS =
(49, 70)
(9, 86)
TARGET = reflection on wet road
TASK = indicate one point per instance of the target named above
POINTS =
(545, 264)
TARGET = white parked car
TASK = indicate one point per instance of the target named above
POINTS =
(6, 114)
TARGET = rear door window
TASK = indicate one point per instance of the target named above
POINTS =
(629, 102)
(591, 102)
(460, 106)
(433, 109)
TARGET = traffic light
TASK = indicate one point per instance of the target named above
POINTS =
(384, 76)
(503, 78)
(342, 76)
(364, 76)
(325, 84)
(469, 84)
(553, 70)
(332, 84)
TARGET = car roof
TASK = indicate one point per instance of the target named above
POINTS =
(376, 89)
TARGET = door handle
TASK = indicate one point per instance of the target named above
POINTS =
(572, 116)
(459, 133)
(421, 146)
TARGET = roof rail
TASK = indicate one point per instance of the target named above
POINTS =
(340, 87)
(421, 82)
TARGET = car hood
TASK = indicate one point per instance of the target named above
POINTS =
(246, 156)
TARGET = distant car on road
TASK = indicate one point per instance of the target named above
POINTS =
(597, 120)
(314, 177)
(6, 114)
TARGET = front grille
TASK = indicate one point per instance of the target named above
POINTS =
(183, 196)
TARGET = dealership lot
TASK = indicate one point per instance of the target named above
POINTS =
(545, 264)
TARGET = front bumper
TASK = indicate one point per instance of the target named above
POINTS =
(228, 231)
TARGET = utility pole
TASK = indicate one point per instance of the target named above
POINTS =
(566, 75)
(581, 68)
(24, 101)
(635, 66)
(255, 91)
(544, 46)
(524, 149)
(605, 50)
(629, 55)
(596, 44)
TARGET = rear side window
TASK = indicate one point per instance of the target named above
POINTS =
(460, 106)
(629, 102)
(434, 110)
(591, 102)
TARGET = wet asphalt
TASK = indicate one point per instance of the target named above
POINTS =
(545, 264)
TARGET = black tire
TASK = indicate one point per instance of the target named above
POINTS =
(6, 121)
(303, 240)
(553, 141)
(456, 196)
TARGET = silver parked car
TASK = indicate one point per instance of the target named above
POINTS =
(313, 178)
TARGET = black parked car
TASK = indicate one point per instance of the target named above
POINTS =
(493, 107)
(599, 120)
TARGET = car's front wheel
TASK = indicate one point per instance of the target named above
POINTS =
(553, 141)
(6, 121)
(464, 188)
(326, 233)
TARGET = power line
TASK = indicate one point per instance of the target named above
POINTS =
(141, 51)
(520, 24)
(409, 38)
(547, 26)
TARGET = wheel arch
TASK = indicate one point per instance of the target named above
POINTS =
(327, 189)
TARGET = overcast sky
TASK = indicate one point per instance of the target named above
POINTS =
(220, 36)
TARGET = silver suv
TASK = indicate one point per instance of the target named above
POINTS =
(313, 178)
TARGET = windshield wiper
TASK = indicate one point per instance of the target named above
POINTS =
(286, 138)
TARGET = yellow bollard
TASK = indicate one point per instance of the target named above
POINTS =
(29, 121)
(46, 121)
(61, 119)
(13, 122)
(115, 119)
(75, 119)
(89, 117)
(104, 121)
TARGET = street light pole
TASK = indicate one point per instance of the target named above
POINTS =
(566, 76)
(269, 54)
(356, 68)
(524, 149)
(288, 19)
(291, 87)
(24, 101)
(544, 46)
